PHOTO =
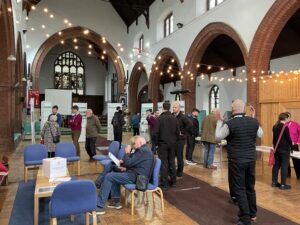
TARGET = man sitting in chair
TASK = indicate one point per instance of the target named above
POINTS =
(133, 164)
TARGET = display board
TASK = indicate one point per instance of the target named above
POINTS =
(111, 109)
(46, 110)
(61, 98)
(144, 128)
(82, 109)
(32, 121)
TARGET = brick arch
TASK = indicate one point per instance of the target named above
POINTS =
(154, 81)
(7, 71)
(135, 76)
(265, 39)
(197, 50)
(77, 32)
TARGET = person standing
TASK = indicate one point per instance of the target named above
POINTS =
(165, 135)
(50, 129)
(241, 132)
(75, 125)
(93, 128)
(151, 119)
(185, 127)
(281, 136)
(294, 129)
(55, 112)
(135, 123)
(191, 137)
(208, 138)
(118, 122)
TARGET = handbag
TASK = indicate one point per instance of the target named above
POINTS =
(54, 138)
(273, 151)
(142, 181)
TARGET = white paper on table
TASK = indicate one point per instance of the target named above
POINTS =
(59, 179)
(114, 159)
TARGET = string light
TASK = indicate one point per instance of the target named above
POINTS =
(76, 47)
(59, 33)
(45, 10)
(86, 32)
(33, 7)
(43, 26)
(62, 42)
(66, 21)
(89, 52)
(90, 46)
(9, 9)
(51, 16)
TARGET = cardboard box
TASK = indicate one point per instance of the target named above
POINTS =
(55, 167)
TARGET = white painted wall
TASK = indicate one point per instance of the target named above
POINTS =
(95, 71)
(142, 82)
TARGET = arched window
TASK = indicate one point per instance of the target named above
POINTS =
(214, 96)
(168, 25)
(69, 73)
(141, 43)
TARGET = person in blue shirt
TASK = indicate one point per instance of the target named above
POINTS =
(135, 123)
(55, 112)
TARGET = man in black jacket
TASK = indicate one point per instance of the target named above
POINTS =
(140, 162)
(165, 135)
(118, 123)
(241, 132)
(185, 127)
(190, 145)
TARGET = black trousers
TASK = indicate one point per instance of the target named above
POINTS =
(179, 156)
(242, 176)
(90, 146)
(118, 135)
(136, 131)
(51, 154)
(296, 163)
(190, 145)
(166, 153)
(282, 160)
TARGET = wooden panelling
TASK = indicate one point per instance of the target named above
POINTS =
(277, 97)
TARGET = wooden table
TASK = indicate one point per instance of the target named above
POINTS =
(43, 189)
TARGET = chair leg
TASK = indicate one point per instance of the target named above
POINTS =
(161, 200)
(53, 221)
(94, 218)
(78, 167)
(73, 166)
(126, 202)
(25, 174)
(132, 202)
(6, 180)
(87, 218)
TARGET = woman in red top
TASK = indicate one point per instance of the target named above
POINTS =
(75, 125)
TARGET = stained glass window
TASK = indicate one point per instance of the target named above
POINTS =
(214, 96)
(69, 73)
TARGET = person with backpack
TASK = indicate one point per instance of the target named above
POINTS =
(118, 122)
(135, 123)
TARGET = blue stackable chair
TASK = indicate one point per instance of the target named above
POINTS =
(152, 187)
(67, 150)
(33, 157)
(72, 198)
(113, 148)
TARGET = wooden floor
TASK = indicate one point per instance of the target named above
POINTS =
(285, 203)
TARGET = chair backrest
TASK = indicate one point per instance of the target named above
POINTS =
(73, 197)
(35, 152)
(65, 149)
(121, 153)
(155, 174)
(114, 148)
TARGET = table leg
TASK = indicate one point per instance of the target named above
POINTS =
(36, 210)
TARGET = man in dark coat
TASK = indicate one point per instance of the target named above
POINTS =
(118, 122)
(165, 135)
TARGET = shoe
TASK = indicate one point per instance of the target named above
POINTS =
(100, 210)
(253, 219)
(233, 200)
(179, 178)
(285, 187)
(114, 205)
(212, 167)
(276, 184)
(191, 163)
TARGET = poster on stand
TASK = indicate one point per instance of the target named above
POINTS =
(82, 109)
(144, 128)
(111, 109)
(32, 121)
(46, 110)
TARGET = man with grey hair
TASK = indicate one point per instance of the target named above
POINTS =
(241, 132)
(93, 128)
(208, 138)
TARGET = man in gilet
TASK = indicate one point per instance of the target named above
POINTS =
(241, 132)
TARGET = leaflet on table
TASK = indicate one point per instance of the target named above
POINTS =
(59, 179)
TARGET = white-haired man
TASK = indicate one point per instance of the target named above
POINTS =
(241, 132)
(208, 138)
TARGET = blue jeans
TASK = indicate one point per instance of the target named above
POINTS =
(209, 153)
(107, 169)
(112, 184)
